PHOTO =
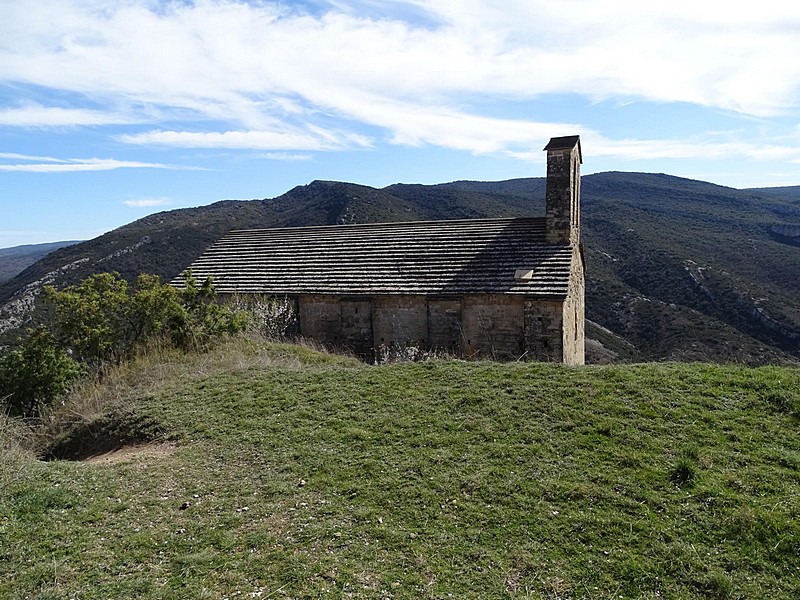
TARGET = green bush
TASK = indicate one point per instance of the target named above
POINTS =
(104, 320)
(201, 318)
(35, 374)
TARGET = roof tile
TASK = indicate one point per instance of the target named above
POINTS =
(428, 257)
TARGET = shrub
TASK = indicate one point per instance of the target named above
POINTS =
(201, 319)
(102, 319)
(35, 374)
(272, 317)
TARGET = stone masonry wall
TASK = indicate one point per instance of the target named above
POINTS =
(494, 326)
(444, 325)
(399, 322)
(562, 196)
(543, 321)
(357, 327)
(573, 311)
(320, 318)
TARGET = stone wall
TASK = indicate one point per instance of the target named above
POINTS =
(543, 337)
(497, 326)
(562, 195)
(573, 337)
(399, 322)
(493, 326)
(444, 325)
(357, 319)
(320, 318)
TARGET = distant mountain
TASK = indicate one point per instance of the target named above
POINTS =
(14, 260)
(677, 269)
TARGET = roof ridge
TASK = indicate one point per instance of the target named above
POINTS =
(395, 223)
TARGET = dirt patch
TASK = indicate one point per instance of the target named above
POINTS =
(132, 453)
(102, 434)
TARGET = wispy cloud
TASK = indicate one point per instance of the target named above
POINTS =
(700, 147)
(148, 202)
(65, 165)
(259, 63)
(315, 139)
(37, 115)
(15, 156)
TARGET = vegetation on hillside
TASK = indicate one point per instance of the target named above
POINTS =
(282, 472)
(104, 321)
(35, 374)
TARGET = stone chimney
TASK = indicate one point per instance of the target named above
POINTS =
(564, 190)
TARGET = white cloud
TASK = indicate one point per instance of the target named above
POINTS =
(84, 164)
(15, 156)
(700, 147)
(315, 139)
(37, 115)
(148, 202)
(274, 78)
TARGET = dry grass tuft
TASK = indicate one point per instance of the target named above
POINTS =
(16, 448)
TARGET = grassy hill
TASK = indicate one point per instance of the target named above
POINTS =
(676, 269)
(274, 471)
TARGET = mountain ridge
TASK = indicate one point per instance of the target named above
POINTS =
(14, 259)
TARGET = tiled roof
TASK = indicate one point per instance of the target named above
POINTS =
(432, 257)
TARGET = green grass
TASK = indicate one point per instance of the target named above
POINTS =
(313, 476)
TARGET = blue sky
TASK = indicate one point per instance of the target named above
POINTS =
(113, 109)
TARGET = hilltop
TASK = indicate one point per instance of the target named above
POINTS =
(677, 269)
(266, 470)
